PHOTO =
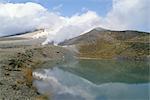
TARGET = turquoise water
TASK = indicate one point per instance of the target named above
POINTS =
(94, 80)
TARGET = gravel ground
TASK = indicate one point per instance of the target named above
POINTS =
(15, 84)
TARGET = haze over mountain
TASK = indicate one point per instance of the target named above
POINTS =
(74, 50)
(22, 17)
(19, 17)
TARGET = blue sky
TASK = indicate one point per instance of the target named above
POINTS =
(69, 18)
(71, 7)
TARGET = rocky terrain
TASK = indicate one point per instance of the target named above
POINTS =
(108, 44)
(21, 54)
(17, 62)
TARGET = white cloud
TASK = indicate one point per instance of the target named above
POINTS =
(74, 26)
(125, 14)
(21, 17)
(129, 14)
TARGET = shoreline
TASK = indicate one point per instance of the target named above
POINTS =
(16, 71)
(117, 59)
(17, 63)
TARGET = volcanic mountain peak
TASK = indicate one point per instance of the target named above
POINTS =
(107, 44)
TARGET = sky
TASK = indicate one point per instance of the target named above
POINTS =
(65, 19)
(70, 7)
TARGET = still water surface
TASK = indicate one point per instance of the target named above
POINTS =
(94, 80)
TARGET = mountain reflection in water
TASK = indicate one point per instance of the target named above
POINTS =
(95, 80)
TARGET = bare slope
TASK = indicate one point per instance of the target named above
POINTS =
(107, 44)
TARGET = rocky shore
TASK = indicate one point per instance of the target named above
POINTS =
(16, 65)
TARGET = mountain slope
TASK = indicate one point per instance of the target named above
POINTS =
(36, 37)
(109, 44)
(39, 33)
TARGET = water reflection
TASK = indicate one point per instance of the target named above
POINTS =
(94, 80)
(102, 71)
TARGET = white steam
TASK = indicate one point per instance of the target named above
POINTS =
(74, 26)
(22, 17)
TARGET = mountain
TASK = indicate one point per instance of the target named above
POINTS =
(30, 34)
(108, 44)
(36, 37)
